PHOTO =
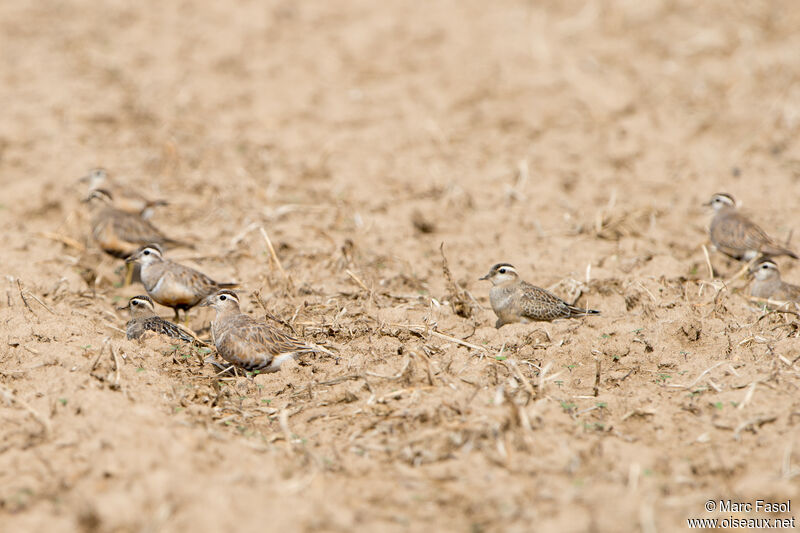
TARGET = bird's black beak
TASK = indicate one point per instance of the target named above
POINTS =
(483, 277)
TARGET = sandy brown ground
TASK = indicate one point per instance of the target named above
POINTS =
(575, 141)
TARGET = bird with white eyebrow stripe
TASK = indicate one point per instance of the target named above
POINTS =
(172, 284)
(769, 285)
(515, 300)
(144, 319)
(736, 236)
(248, 343)
(126, 199)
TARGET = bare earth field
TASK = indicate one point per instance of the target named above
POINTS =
(574, 140)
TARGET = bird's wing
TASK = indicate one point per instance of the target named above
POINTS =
(164, 327)
(540, 304)
(738, 232)
(134, 229)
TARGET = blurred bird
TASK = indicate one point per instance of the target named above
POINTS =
(172, 284)
(738, 237)
(119, 233)
(515, 300)
(247, 343)
(769, 285)
(125, 198)
(144, 319)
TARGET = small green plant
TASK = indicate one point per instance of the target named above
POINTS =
(567, 406)
(63, 401)
(718, 406)
(662, 378)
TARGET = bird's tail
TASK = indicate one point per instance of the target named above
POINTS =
(580, 311)
(178, 244)
(315, 348)
(773, 250)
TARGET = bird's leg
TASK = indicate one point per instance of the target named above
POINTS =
(177, 315)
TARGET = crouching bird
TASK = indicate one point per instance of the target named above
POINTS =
(247, 343)
(515, 300)
(144, 319)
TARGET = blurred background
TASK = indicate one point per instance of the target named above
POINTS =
(550, 134)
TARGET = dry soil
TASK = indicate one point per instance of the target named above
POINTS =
(576, 140)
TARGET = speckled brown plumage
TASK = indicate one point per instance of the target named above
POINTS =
(250, 344)
(736, 236)
(144, 319)
(515, 300)
(172, 284)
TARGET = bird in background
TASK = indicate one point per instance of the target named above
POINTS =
(767, 283)
(119, 233)
(127, 199)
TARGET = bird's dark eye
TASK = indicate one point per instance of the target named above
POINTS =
(223, 297)
(146, 252)
(502, 270)
(134, 302)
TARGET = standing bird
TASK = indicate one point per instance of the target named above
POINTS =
(172, 284)
(144, 318)
(247, 343)
(119, 233)
(737, 236)
(515, 300)
(125, 198)
(769, 285)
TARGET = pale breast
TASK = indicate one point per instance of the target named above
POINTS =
(170, 289)
(503, 303)
(765, 289)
